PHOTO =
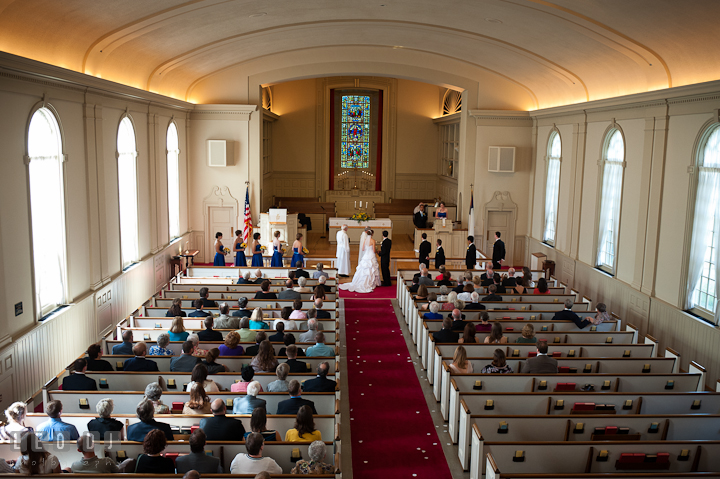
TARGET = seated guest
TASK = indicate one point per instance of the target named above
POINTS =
(139, 363)
(200, 376)
(319, 271)
(449, 304)
(244, 278)
(264, 292)
(186, 361)
(520, 286)
(441, 271)
(433, 314)
(570, 315)
(94, 363)
(293, 405)
(126, 347)
(309, 335)
(468, 336)
(220, 427)
(319, 292)
(292, 362)
(289, 292)
(265, 361)
(498, 365)
(542, 287)
(542, 363)
(442, 293)
(224, 321)
(177, 330)
(256, 320)
(458, 319)
(232, 345)
(468, 290)
(304, 429)
(208, 334)
(477, 284)
(527, 276)
(90, 463)
(297, 312)
(246, 334)
(316, 464)
(446, 334)
(288, 340)
(510, 281)
(253, 462)
(198, 313)
(246, 404)
(153, 393)
(197, 350)
(425, 278)
(258, 424)
(208, 303)
(497, 281)
(320, 384)
(212, 366)
(160, 349)
(259, 338)
(104, 427)
(601, 314)
(258, 276)
(16, 414)
(459, 304)
(492, 289)
(460, 364)
(422, 293)
(467, 278)
(496, 335)
(279, 332)
(34, 459)
(302, 285)
(151, 461)
(445, 279)
(484, 326)
(247, 373)
(77, 381)
(197, 459)
(299, 272)
(487, 275)
(474, 304)
(280, 385)
(145, 412)
(528, 335)
(175, 310)
(199, 402)
(415, 285)
(320, 349)
(242, 312)
(54, 429)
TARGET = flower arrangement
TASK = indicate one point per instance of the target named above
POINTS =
(243, 245)
(263, 248)
(226, 250)
(360, 217)
(305, 250)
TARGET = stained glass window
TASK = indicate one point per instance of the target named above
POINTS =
(355, 137)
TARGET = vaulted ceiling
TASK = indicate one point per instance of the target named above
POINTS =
(558, 52)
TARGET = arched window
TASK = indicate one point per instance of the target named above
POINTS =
(47, 207)
(173, 173)
(612, 179)
(552, 187)
(127, 192)
(703, 288)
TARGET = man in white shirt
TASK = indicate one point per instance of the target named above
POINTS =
(253, 462)
(343, 252)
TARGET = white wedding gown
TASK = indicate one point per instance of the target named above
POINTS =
(367, 273)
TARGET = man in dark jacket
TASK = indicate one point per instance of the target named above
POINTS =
(186, 361)
(220, 427)
(293, 405)
(321, 384)
(209, 334)
(139, 363)
(446, 334)
(77, 381)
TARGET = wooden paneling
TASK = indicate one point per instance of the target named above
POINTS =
(415, 186)
(292, 183)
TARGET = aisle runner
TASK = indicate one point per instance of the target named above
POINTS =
(392, 433)
(381, 292)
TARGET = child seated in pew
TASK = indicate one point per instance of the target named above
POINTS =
(304, 429)
(498, 365)
(247, 374)
(460, 364)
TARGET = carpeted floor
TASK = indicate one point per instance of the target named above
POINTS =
(381, 292)
(392, 432)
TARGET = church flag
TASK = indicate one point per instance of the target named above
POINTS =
(247, 218)
(471, 219)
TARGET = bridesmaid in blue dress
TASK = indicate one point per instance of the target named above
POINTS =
(219, 254)
(277, 257)
(257, 259)
(298, 252)
(442, 211)
(239, 251)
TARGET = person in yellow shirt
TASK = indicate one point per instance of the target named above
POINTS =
(304, 430)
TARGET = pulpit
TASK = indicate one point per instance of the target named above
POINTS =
(279, 220)
(443, 225)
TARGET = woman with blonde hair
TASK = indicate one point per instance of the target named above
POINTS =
(177, 330)
(496, 335)
(449, 305)
(199, 402)
(265, 361)
(460, 362)
(176, 309)
(232, 345)
(15, 426)
(256, 320)
(528, 335)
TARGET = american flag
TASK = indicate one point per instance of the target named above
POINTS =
(247, 218)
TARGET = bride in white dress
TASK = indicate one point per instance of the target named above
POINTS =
(367, 273)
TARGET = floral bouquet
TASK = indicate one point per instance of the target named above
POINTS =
(263, 248)
(226, 250)
(360, 217)
(305, 250)
(243, 245)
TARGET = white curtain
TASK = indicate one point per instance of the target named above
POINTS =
(552, 187)
(610, 198)
(706, 213)
(173, 181)
(127, 186)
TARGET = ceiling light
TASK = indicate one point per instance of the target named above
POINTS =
(397, 47)
(493, 20)
(259, 14)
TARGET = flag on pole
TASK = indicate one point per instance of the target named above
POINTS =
(247, 218)
(471, 219)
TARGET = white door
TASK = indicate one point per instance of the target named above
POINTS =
(499, 221)
(221, 219)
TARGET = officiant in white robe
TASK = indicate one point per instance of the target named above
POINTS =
(343, 251)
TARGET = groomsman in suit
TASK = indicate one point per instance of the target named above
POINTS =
(439, 255)
(470, 255)
(498, 251)
(424, 250)
(385, 247)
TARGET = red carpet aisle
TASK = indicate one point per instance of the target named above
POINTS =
(384, 292)
(392, 433)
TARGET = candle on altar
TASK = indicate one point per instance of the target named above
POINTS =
(355, 203)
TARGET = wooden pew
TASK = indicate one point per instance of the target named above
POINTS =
(214, 272)
(187, 299)
(151, 334)
(176, 346)
(275, 308)
(197, 323)
(235, 363)
(188, 285)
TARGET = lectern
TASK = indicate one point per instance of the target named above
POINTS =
(442, 225)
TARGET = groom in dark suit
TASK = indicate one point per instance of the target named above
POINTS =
(385, 247)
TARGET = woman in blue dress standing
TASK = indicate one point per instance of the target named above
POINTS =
(239, 250)
(219, 253)
(297, 251)
(442, 211)
(257, 259)
(277, 257)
